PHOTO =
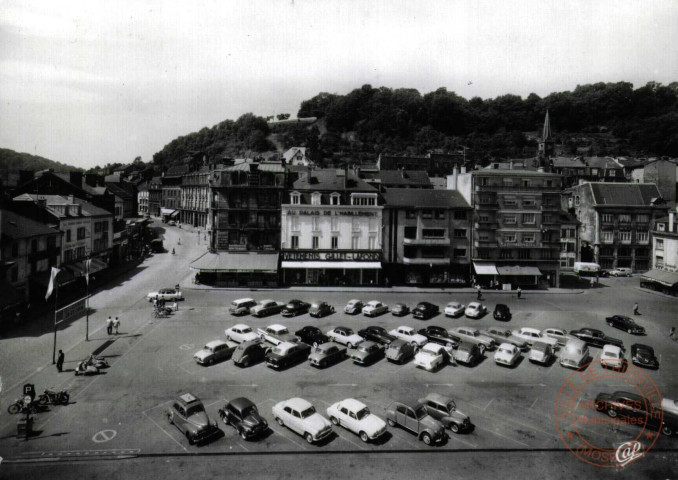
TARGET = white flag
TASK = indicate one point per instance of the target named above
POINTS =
(88, 262)
(52, 278)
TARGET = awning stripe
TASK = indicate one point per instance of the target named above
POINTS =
(518, 270)
(485, 268)
(237, 262)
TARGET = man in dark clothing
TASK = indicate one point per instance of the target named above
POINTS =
(60, 361)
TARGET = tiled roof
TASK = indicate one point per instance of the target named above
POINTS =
(90, 209)
(332, 179)
(292, 152)
(624, 194)
(568, 162)
(15, 226)
(404, 177)
(420, 197)
(118, 190)
(601, 162)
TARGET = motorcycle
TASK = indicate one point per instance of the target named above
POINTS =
(53, 397)
(98, 361)
(18, 406)
(84, 369)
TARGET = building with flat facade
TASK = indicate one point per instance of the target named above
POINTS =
(663, 276)
(195, 194)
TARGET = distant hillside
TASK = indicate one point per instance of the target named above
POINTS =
(11, 162)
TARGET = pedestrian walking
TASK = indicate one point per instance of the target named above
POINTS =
(60, 361)
(109, 325)
(480, 293)
(520, 293)
(116, 325)
(635, 309)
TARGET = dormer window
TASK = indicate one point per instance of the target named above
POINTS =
(315, 198)
(335, 199)
(295, 198)
(363, 199)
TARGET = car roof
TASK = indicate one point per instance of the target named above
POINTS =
(367, 344)
(251, 342)
(266, 300)
(241, 403)
(474, 304)
(298, 403)
(285, 345)
(214, 343)
(507, 345)
(352, 404)
(427, 304)
(327, 345)
(576, 343)
(611, 348)
(438, 398)
(540, 346)
(277, 326)
(453, 303)
(187, 398)
(405, 327)
(432, 347)
(640, 345)
(529, 329)
(243, 300)
(240, 326)
(354, 300)
(372, 302)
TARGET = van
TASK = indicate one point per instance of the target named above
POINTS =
(575, 354)
(586, 268)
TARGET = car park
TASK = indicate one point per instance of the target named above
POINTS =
(326, 354)
(640, 409)
(431, 356)
(504, 335)
(595, 337)
(266, 307)
(354, 307)
(410, 335)
(438, 335)
(376, 334)
(275, 334)
(620, 272)
(475, 310)
(532, 335)
(399, 351)
(575, 354)
(320, 309)
(507, 354)
(612, 357)
(241, 306)
(400, 310)
(559, 334)
(214, 352)
(625, 323)
(472, 335)
(294, 308)
(415, 418)
(300, 416)
(374, 308)
(312, 336)
(643, 356)
(468, 354)
(367, 352)
(240, 333)
(167, 294)
(425, 310)
(444, 409)
(286, 354)
(345, 336)
(250, 353)
(454, 309)
(188, 414)
(354, 416)
(541, 352)
(243, 415)
(502, 312)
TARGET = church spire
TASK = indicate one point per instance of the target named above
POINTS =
(546, 134)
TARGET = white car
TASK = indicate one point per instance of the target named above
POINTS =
(409, 335)
(300, 416)
(531, 335)
(240, 333)
(475, 310)
(165, 294)
(670, 405)
(621, 272)
(507, 354)
(431, 356)
(559, 334)
(374, 308)
(275, 334)
(612, 357)
(454, 309)
(356, 417)
(345, 336)
(472, 335)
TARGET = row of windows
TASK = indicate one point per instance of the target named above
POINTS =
(81, 233)
(517, 182)
(335, 199)
(35, 246)
(624, 252)
(625, 218)
(625, 236)
(356, 243)
(524, 254)
(527, 219)
(295, 224)
(411, 232)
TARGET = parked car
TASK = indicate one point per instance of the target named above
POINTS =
(345, 336)
(320, 309)
(612, 357)
(559, 334)
(243, 415)
(504, 335)
(172, 223)
(475, 310)
(249, 353)
(454, 309)
(240, 333)
(532, 335)
(376, 334)
(472, 335)
(595, 337)
(620, 272)
(354, 307)
(286, 354)
(669, 405)
(541, 352)
(410, 335)
(354, 416)
(625, 323)
(415, 418)
(275, 334)
(444, 409)
(167, 294)
(575, 354)
(507, 354)
(400, 310)
(643, 356)
(399, 351)
(312, 336)
(431, 356)
(294, 308)
(188, 414)
(634, 406)
(367, 352)
(267, 307)
(502, 312)
(326, 354)
(301, 417)
(374, 308)
(468, 354)
(241, 306)
(425, 310)
(214, 352)
(438, 335)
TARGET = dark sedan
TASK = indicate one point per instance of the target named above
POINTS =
(367, 352)
(400, 310)
(243, 415)
(312, 336)
(502, 312)
(425, 310)
(294, 308)
(643, 356)
(376, 334)
(625, 323)
(596, 337)
(633, 406)
(438, 335)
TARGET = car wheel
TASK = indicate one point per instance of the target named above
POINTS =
(454, 428)
(426, 438)
(334, 420)
(242, 434)
(246, 363)
(667, 430)
(349, 345)
(390, 422)
(210, 361)
(612, 412)
(280, 422)
(308, 437)
(481, 349)
(364, 437)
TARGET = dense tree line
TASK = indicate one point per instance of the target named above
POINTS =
(11, 161)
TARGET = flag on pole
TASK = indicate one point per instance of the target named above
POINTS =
(88, 262)
(52, 278)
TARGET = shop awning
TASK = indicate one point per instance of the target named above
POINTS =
(79, 269)
(167, 211)
(333, 265)
(485, 268)
(237, 262)
(660, 276)
(518, 270)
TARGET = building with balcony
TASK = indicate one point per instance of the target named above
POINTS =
(663, 276)
(171, 192)
(616, 222)
(516, 225)
(154, 196)
(427, 235)
(195, 194)
(569, 241)
(142, 200)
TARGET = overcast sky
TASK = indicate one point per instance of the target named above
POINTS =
(93, 82)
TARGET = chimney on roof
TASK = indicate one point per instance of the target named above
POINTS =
(455, 174)
(511, 165)
(463, 169)
(672, 217)
(75, 178)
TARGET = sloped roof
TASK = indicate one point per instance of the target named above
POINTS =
(94, 190)
(89, 209)
(601, 162)
(331, 179)
(631, 162)
(404, 177)
(420, 197)
(121, 192)
(292, 152)
(15, 226)
(625, 194)
(568, 162)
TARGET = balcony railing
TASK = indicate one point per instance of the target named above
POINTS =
(516, 188)
(426, 241)
(506, 244)
(426, 261)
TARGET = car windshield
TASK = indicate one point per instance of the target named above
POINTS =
(247, 411)
(473, 333)
(308, 412)
(246, 330)
(427, 353)
(363, 413)
(574, 350)
(365, 348)
(347, 332)
(194, 409)
(235, 304)
(612, 354)
(504, 350)
(319, 350)
(278, 350)
(281, 331)
(420, 412)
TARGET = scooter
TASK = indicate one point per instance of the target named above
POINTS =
(53, 397)
(18, 406)
(98, 361)
(84, 369)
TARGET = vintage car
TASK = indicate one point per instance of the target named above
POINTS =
(612, 357)
(643, 356)
(240, 333)
(286, 354)
(249, 353)
(504, 335)
(300, 416)
(620, 272)
(345, 336)
(625, 323)
(454, 309)
(374, 308)
(353, 307)
(214, 352)
(241, 306)
(431, 356)
(243, 415)
(425, 310)
(468, 354)
(559, 334)
(669, 405)
(575, 354)
(320, 309)
(326, 354)
(399, 351)
(438, 335)
(400, 310)
(507, 354)
(595, 337)
(267, 307)
(294, 308)
(410, 335)
(275, 334)
(472, 335)
(415, 418)
(367, 352)
(633, 406)
(167, 294)
(354, 416)
(444, 409)
(502, 312)
(188, 414)
(541, 352)
(475, 310)
(312, 336)
(376, 334)
(532, 335)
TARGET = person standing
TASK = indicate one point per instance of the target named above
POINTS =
(480, 293)
(116, 324)
(520, 293)
(635, 309)
(60, 361)
(109, 325)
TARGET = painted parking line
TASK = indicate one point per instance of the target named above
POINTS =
(276, 429)
(165, 432)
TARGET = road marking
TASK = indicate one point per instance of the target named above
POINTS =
(104, 436)
(217, 401)
(253, 385)
(285, 437)
(187, 346)
(440, 384)
(458, 438)
(166, 432)
(488, 404)
(336, 431)
(534, 403)
(530, 384)
(341, 385)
